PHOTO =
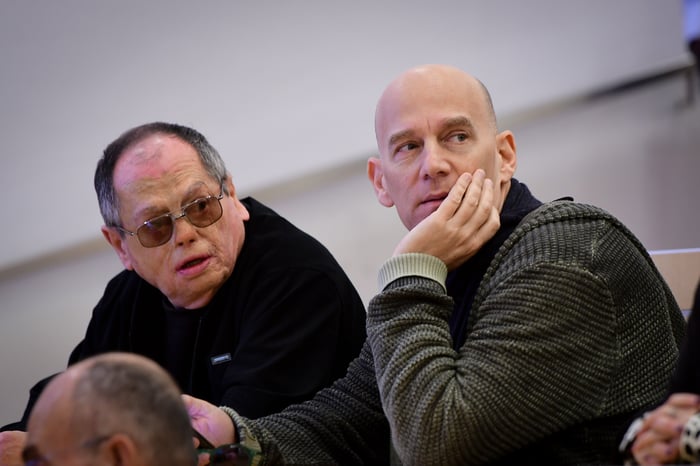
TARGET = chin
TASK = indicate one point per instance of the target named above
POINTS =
(196, 303)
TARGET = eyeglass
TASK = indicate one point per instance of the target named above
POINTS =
(233, 454)
(31, 456)
(201, 213)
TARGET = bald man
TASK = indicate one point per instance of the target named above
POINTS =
(113, 409)
(507, 330)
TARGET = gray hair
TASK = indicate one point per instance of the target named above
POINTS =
(104, 174)
(120, 396)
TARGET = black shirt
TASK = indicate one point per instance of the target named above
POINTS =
(286, 323)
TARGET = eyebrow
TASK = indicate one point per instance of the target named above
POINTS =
(458, 121)
(447, 123)
(396, 137)
(152, 211)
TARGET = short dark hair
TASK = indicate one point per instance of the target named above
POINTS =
(120, 396)
(104, 174)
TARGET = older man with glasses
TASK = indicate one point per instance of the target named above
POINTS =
(242, 308)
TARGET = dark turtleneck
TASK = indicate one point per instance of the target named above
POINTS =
(182, 327)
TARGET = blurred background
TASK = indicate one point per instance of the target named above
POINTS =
(599, 94)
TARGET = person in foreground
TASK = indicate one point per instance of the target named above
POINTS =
(111, 409)
(506, 331)
(671, 432)
(237, 304)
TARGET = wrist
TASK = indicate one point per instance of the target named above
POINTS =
(242, 434)
(231, 414)
(412, 264)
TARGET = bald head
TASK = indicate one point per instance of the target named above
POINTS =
(433, 123)
(81, 379)
(431, 79)
(115, 397)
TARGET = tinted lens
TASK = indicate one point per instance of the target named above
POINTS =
(32, 457)
(200, 213)
(203, 212)
(155, 231)
(35, 462)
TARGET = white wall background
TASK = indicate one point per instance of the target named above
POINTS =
(281, 88)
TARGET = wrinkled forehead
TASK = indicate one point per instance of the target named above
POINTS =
(417, 97)
(155, 157)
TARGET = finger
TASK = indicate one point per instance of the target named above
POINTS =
(203, 459)
(477, 214)
(649, 458)
(667, 427)
(188, 401)
(683, 400)
(649, 449)
(645, 440)
(667, 419)
(454, 198)
(660, 432)
(196, 407)
(474, 191)
(664, 452)
(483, 224)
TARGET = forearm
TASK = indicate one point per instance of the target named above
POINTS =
(342, 424)
(454, 407)
(416, 375)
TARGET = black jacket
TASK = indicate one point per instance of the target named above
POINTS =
(285, 324)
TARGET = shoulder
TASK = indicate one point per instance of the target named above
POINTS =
(270, 236)
(276, 248)
(125, 282)
(267, 226)
(565, 234)
(564, 211)
(568, 224)
(123, 290)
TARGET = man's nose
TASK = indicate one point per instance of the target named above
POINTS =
(435, 161)
(183, 230)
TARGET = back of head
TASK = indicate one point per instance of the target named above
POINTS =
(128, 394)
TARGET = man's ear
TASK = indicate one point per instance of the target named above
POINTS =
(117, 241)
(242, 211)
(376, 177)
(121, 450)
(506, 149)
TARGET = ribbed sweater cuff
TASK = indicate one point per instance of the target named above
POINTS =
(243, 434)
(412, 264)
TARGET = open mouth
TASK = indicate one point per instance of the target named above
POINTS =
(192, 263)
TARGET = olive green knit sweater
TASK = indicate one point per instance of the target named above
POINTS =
(572, 331)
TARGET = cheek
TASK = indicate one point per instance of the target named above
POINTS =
(152, 266)
(398, 183)
(230, 238)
